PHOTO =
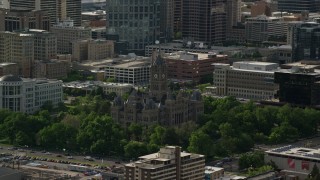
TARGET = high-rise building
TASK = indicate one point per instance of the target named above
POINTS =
(168, 163)
(137, 22)
(233, 12)
(21, 19)
(305, 41)
(66, 33)
(57, 9)
(166, 19)
(17, 48)
(177, 16)
(299, 5)
(204, 20)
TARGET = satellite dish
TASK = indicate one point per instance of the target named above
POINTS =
(157, 42)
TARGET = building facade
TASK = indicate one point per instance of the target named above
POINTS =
(51, 69)
(28, 95)
(21, 19)
(168, 163)
(100, 49)
(17, 48)
(137, 22)
(299, 86)
(249, 80)
(158, 106)
(66, 33)
(9, 68)
(204, 20)
(183, 66)
(57, 9)
(298, 6)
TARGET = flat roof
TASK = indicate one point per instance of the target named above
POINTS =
(294, 151)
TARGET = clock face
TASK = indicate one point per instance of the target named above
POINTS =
(156, 76)
(163, 76)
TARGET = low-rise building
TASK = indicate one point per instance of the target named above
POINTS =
(299, 85)
(183, 66)
(28, 95)
(212, 173)
(9, 68)
(88, 49)
(294, 160)
(51, 69)
(168, 163)
(247, 79)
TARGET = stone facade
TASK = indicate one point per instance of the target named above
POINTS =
(159, 106)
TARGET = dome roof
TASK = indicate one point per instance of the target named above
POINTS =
(10, 78)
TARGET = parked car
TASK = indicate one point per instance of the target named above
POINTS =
(89, 158)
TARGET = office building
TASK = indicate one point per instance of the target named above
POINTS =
(92, 49)
(137, 22)
(99, 33)
(306, 41)
(28, 95)
(17, 48)
(57, 9)
(158, 106)
(260, 8)
(248, 80)
(168, 163)
(299, 85)
(66, 33)
(21, 19)
(45, 44)
(177, 16)
(94, 19)
(212, 173)
(9, 68)
(233, 10)
(204, 20)
(298, 6)
(294, 160)
(260, 28)
(51, 69)
(183, 66)
(166, 20)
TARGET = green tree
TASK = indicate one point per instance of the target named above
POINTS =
(135, 149)
(253, 159)
(201, 143)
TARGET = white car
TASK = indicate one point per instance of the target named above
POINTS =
(69, 157)
(47, 153)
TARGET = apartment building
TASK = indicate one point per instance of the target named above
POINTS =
(247, 79)
(17, 48)
(21, 19)
(183, 66)
(28, 95)
(137, 22)
(66, 33)
(168, 163)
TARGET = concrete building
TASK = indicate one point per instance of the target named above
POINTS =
(249, 80)
(257, 28)
(135, 70)
(204, 20)
(17, 48)
(51, 69)
(294, 160)
(137, 22)
(57, 9)
(212, 173)
(177, 16)
(21, 19)
(233, 12)
(9, 68)
(168, 163)
(66, 33)
(88, 49)
(99, 33)
(94, 18)
(299, 85)
(28, 95)
(183, 66)
(45, 44)
(158, 106)
(166, 20)
(100, 49)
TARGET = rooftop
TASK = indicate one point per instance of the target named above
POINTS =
(182, 55)
(293, 151)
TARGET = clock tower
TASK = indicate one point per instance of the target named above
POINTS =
(158, 77)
